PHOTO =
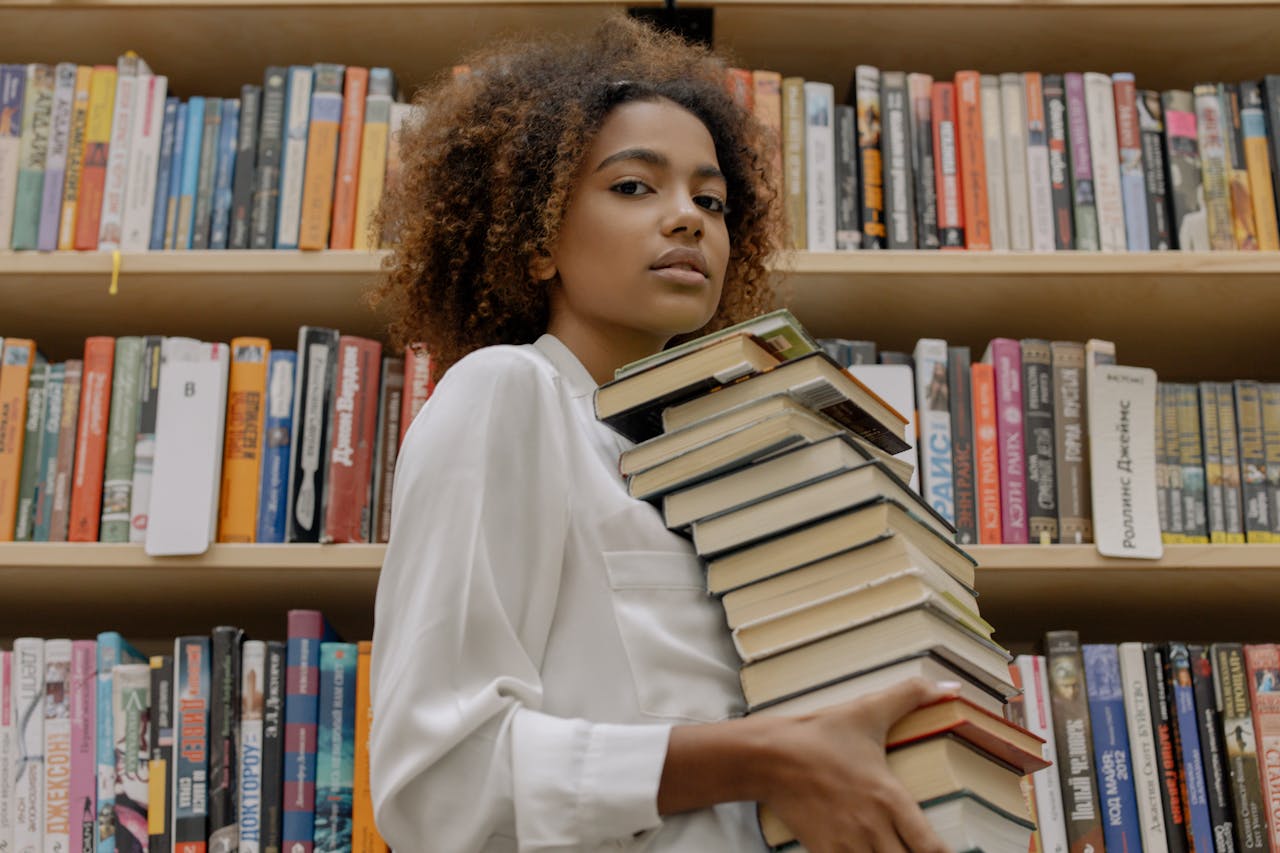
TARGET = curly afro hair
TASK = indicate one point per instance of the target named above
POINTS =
(486, 176)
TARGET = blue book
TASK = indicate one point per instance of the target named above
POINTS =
(273, 489)
(175, 177)
(1178, 674)
(293, 165)
(335, 747)
(1114, 766)
(307, 630)
(112, 649)
(164, 167)
(229, 132)
(47, 464)
(190, 173)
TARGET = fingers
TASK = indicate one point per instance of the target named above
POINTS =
(914, 828)
(902, 698)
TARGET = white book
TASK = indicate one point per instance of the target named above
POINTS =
(1051, 817)
(144, 160)
(55, 163)
(57, 746)
(28, 764)
(1104, 151)
(1122, 464)
(253, 665)
(1144, 756)
(293, 168)
(933, 411)
(1133, 181)
(7, 746)
(993, 150)
(128, 67)
(12, 86)
(182, 518)
(1039, 186)
(895, 384)
(820, 165)
(1013, 103)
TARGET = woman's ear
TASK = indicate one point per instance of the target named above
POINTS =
(542, 267)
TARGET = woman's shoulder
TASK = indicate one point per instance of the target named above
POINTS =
(501, 362)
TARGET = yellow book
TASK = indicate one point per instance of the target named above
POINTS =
(93, 165)
(75, 157)
(364, 833)
(322, 157)
(793, 165)
(242, 448)
(15, 373)
(157, 807)
(373, 156)
(1253, 129)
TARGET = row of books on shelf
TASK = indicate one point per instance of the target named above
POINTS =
(102, 157)
(1158, 746)
(1024, 161)
(227, 743)
(177, 443)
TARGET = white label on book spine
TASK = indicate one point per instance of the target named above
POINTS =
(1122, 429)
(1142, 745)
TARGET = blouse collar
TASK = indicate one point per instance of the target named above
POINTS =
(575, 374)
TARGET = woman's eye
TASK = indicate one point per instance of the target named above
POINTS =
(713, 203)
(630, 187)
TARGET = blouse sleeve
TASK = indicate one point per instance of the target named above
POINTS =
(459, 749)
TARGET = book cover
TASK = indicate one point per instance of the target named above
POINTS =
(1262, 666)
(364, 832)
(1104, 154)
(959, 373)
(189, 809)
(125, 105)
(1172, 800)
(986, 448)
(1253, 141)
(121, 440)
(55, 168)
(946, 167)
(390, 401)
(307, 631)
(312, 403)
(113, 650)
(1271, 448)
(266, 170)
(277, 438)
(323, 129)
(1243, 219)
(1239, 745)
(225, 163)
(1071, 441)
(418, 385)
(1177, 664)
(973, 165)
(144, 447)
(57, 744)
(293, 164)
(1083, 198)
(131, 710)
(160, 765)
(1073, 738)
(1005, 356)
(1050, 818)
(60, 489)
(1039, 180)
(75, 159)
(355, 88)
(211, 149)
(33, 151)
(242, 451)
(348, 497)
(1013, 118)
(920, 89)
(1229, 449)
(97, 146)
(224, 737)
(794, 179)
(17, 356)
(245, 166)
(144, 170)
(848, 200)
(1214, 166)
(866, 93)
(1122, 427)
(820, 167)
(373, 156)
(249, 782)
(273, 698)
(188, 187)
(13, 88)
(899, 180)
(1055, 115)
(1143, 749)
(1151, 128)
(933, 409)
(85, 513)
(993, 158)
(1038, 403)
(335, 748)
(1195, 501)
(28, 760)
(1190, 222)
(173, 198)
(1116, 797)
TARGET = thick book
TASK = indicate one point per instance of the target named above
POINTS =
(920, 89)
(242, 451)
(1262, 666)
(1177, 663)
(189, 809)
(1013, 118)
(16, 361)
(1239, 745)
(144, 450)
(946, 167)
(960, 397)
(1039, 180)
(245, 167)
(1143, 747)
(1119, 804)
(323, 129)
(355, 89)
(373, 156)
(312, 402)
(866, 97)
(899, 180)
(1133, 188)
(27, 706)
(277, 441)
(848, 202)
(1104, 153)
(335, 748)
(1190, 222)
(273, 697)
(390, 400)
(122, 440)
(85, 509)
(253, 661)
(793, 181)
(993, 157)
(1071, 443)
(820, 166)
(97, 144)
(295, 123)
(1059, 143)
(1121, 403)
(1038, 404)
(160, 765)
(1005, 357)
(778, 330)
(83, 804)
(144, 171)
(986, 454)
(364, 832)
(224, 167)
(224, 736)
(56, 708)
(1083, 199)
(1253, 140)
(933, 414)
(1151, 127)
(113, 650)
(1213, 165)
(1073, 738)
(60, 502)
(266, 169)
(131, 711)
(1016, 713)
(348, 497)
(307, 631)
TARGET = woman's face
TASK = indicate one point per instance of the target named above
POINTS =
(643, 248)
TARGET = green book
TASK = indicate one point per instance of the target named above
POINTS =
(37, 110)
(122, 438)
(31, 446)
(780, 331)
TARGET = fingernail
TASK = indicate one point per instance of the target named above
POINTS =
(949, 686)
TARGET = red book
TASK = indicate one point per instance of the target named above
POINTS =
(946, 167)
(418, 385)
(973, 161)
(996, 736)
(91, 439)
(355, 89)
(1005, 355)
(742, 86)
(986, 454)
(353, 435)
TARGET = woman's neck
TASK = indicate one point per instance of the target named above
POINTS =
(603, 351)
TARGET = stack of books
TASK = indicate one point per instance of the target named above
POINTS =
(837, 579)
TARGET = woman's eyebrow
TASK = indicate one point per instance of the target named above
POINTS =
(654, 158)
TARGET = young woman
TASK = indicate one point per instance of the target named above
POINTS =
(548, 672)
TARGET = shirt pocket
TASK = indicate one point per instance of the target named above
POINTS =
(677, 644)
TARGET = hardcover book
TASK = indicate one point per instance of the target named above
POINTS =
(160, 766)
(37, 112)
(57, 744)
(993, 159)
(1213, 165)
(335, 748)
(83, 806)
(899, 180)
(121, 440)
(793, 160)
(1187, 740)
(1039, 180)
(15, 372)
(1083, 198)
(277, 441)
(355, 88)
(933, 408)
(144, 452)
(113, 650)
(91, 440)
(1005, 357)
(1038, 424)
(1243, 219)
(111, 225)
(224, 737)
(28, 693)
(946, 167)
(47, 463)
(131, 711)
(1055, 111)
(164, 173)
(1262, 665)
(348, 498)
(1050, 821)
(364, 832)
(143, 170)
(266, 170)
(866, 91)
(60, 503)
(1105, 158)
(1013, 110)
(312, 402)
(246, 166)
(1190, 223)
(1229, 448)
(13, 88)
(1151, 126)
(307, 631)
(322, 156)
(959, 373)
(820, 166)
(273, 724)
(986, 454)
(97, 144)
(242, 452)
(373, 155)
(1132, 181)
(210, 152)
(1172, 799)
(1253, 135)
(1120, 827)
(920, 87)
(390, 402)
(295, 122)
(55, 168)
(1071, 443)
(250, 781)
(848, 199)
(1143, 747)
(1073, 737)
(224, 165)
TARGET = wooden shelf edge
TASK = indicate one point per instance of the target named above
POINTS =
(78, 556)
(94, 5)
(1085, 558)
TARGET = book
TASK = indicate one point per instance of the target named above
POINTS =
(295, 123)
(1055, 111)
(27, 705)
(242, 450)
(189, 186)
(83, 804)
(160, 766)
(1253, 133)
(1229, 448)
(97, 144)
(273, 723)
(307, 631)
(177, 166)
(144, 169)
(121, 440)
(85, 511)
(895, 384)
(373, 156)
(418, 385)
(1243, 219)
(323, 128)
(56, 708)
(1213, 165)
(266, 170)
(960, 398)
(312, 403)
(899, 179)
(131, 710)
(946, 167)
(1118, 802)
(1143, 746)
(1073, 739)
(933, 413)
(189, 809)
(129, 68)
(794, 179)
(1172, 799)
(1050, 818)
(348, 498)
(1190, 223)
(1071, 443)
(920, 89)
(1013, 111)
(390, 401)
(33, 448)
(1133, 188)
(277, 442)
(211, 151)
(144, 451)
(1083, 198)
(1177, 662)
(13, 88)
(253, 662)
(1208, 397)
(245, 166)
(60, 501)
(1104, 155)
(224, 166)
(820, 166)
(113, 651)
(224, 736)
(55, 166)
(1038, 403)
(1262, 666)
(335, 748)
(1270, 393)
(993, 158)
(355, 88)
(1121, 403)
(1039, 180)
(16, 361)
(1005, 357)
(865, 94)
(364, 832)
(1151, 126)
(33, 149)
(848, 199)
(1239, 745)
(986, 454)
(8, 747)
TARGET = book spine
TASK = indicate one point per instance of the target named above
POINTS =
(144, 447)
(225, 160)
(871, 164)
(973, 166)
(1071, 436)
(144, 163)
(47, 462)
(373, 156)
(188, 188)
(266, 180)
(418, 385)
(277, 439)
(189, 808)
(169, 237)
(242, 450)
(899, 182)
(33, 152)
(1055, 111)
(354, 95)
(322, 157)
(1039, 180)
(1048, 788)
(1240, 748)
(1173, 462)
(57, 746)
(1133, 188)
(1255, 502)
(946, 164)
(17, 357)
(1006, 356)
(249, 783)
(1187, 192)
(960, 398)
(1213, 164)
(794, 178)
(8, 746)
(335, 748)
(301, 712)
(1213, 461)
(211, 149)
(97, 146)
(1072, 735)
(986, 454)
(1187, 741)
(1105, 157)
(131, 706)
(819, 140)
(766, 106)
(55, 169)
(121, 440)
(934, 417)
(1195, 508)
(13, 88)
(245, 166)
(32, 449)
(1083, 198)
(28, 718)
(293, 164)
(312, 395)
(348, 498)
(1120, 826)
(1151, 127)
(111, 223)
(273, 700)
(1270, 96)
(60, 503)
(75, 160)
(160, 766)
(1171, 794)
(390, 402)
(91, 440)
(224, 737)
(848, 205)
(1262, 662)
(1243, 220)
(1144, 755)
(1271, 449)
(1163, 495)
(993, 158)
(1038, 430)
(1253, 140)
(920, 88)
(1013, 111)
(364, 832)
(84, 760)
(112, 651)
(1229, 448)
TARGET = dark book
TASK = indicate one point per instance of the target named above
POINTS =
(894, 357)
(899, 183)
(1037, 420)
(1175, 818)
(266, 181)
(224, 738)
(1271, 446)
(271, 827)
(1239, 746)
(959, 381)
(160, 767)
(919, 90)
(1253, 462)
(848, 202)
(1271, 114)
(164, 167)
(1084, 205)
(1186, 725)
(1151, 126)
(1189, 223)
(1211, 753)
(390, 400)
(246, 166)
(1071, 443)
(1074, 740)
(203, 218)
(312, 402)
(866, 95)
(190, 744)
(1055, 113)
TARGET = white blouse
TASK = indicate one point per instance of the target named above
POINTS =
(537, 631)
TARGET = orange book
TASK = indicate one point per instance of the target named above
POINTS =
(973, 160)
(364, 833)
(741, 86)
(417, 386)
(946, 167)
(350, 135)
(322, 157)
(986, 454)
(242, 446)
(15, 374)
(75, 158)
(93, 161)
(91, 440)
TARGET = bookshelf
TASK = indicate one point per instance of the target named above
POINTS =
(1188, 315)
